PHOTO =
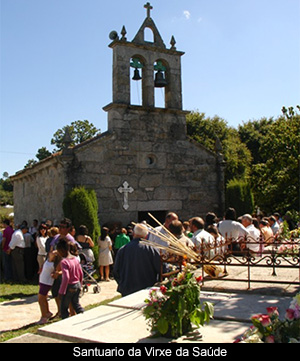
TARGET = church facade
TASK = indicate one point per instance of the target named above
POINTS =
(144, 162)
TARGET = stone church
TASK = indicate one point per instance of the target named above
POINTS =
(145, 161)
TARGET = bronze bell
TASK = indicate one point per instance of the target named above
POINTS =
(136, 75)
(160, 81)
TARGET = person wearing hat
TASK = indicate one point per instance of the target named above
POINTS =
(253, 239)
(16, 249)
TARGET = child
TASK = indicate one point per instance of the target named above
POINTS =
(72, 277)
(45, 283)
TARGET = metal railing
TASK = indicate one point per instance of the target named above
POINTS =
(273, 254)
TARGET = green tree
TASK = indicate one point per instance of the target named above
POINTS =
(252, 135)
(6, 190)
(81, 206)
(80, 131)
(239, 195)
(30, 163)
(275, 180)
(42, 153)
(206, 130)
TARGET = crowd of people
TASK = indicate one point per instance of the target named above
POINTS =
(51, 253)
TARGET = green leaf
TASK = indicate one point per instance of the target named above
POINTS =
(181, 306)
(209, 311)
(162, 325)
(197, 317)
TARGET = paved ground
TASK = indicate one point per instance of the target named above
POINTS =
(230, 296)
(22, 312)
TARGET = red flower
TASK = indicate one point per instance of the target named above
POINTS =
(175, 282)
(163, 289)
(272, 311)
(257, 317)
(263, 319)
(199, 279)
(270, 339)
(290, 314)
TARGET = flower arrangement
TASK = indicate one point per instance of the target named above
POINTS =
(173, 307)
(268, 328)
(289, 249)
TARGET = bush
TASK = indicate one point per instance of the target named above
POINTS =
(239, 196)
(81, 206)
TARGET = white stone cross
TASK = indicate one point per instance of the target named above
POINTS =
(125, 189)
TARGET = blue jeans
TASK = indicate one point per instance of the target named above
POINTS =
(71, 296)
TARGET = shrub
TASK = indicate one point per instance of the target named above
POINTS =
(239, 196)
(81, 206)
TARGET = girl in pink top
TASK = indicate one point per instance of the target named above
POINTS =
(72, 277)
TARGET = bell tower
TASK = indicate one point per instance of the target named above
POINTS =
(154, 66)
(144, 162)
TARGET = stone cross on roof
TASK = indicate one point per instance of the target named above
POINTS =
(149, 8)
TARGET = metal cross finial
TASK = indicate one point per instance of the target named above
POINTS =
(149, 8)
(125, 189)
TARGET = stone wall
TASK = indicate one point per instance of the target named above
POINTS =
(38, 192)
(150, 151)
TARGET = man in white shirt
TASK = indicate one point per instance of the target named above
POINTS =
(16, 249)
(231, 229)
(253, 239)
(202, 237)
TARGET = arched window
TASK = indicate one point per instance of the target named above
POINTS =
(148, 35)
(136, 76)
(160, 83)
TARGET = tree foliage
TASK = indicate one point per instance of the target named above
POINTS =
(6, 190)
(80, 131)
(275, 174)
(206, 130)
(264, 153)
(81, 206)
(42, 153)
(239, 195)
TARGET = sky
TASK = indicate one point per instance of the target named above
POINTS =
(241, 62)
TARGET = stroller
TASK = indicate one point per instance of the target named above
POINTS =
(88, 271)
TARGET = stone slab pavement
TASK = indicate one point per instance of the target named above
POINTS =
(234, 306)
(18, 313)
(100, 325)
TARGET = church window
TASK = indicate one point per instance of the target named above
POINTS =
(148, 35)
(150, 160)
